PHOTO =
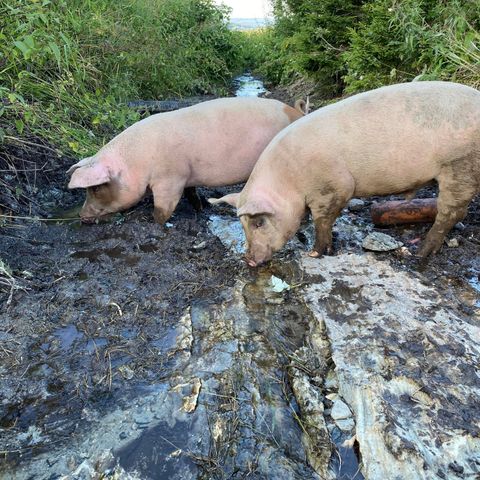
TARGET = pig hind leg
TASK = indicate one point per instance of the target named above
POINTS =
(457, 185)
(165, 199)
(193, 198)
(325, 209)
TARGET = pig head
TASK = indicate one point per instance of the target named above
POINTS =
(268, 222)
(109, 185)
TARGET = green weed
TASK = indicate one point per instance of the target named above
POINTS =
(67, 68)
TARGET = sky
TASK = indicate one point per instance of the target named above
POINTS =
(247, 8)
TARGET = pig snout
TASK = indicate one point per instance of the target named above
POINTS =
(89, 214)
(250, 261)
(256, 259)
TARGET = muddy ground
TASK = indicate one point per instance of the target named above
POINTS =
(87, 312)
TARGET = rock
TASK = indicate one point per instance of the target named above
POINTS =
(190, 401)
(199, 246)
(230, 232)
(340, 410)
(346, 424)
(310, 400)
(278, 285)
(331, 381)
(380, 242)
(142, 419)
(407, 366)
(453, 243)
(355, 204)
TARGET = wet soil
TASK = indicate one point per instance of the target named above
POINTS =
(88, 315)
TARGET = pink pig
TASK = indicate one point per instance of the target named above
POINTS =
(212, 144)
(392, 140)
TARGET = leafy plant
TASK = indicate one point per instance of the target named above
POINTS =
(67, 68)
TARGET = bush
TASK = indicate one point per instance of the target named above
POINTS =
(398, 41)
(67, 67)
(353, 45)
(308, 38)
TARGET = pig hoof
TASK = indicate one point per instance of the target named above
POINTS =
(313, 254)
(428, 249)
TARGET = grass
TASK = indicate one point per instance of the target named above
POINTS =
(351, 46)
(67, 68)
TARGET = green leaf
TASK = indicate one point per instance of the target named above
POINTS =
(74, 146)
(30, 42)
(23, 48)
(56, 52)
(20, 126)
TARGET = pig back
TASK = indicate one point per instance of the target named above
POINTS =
(222, 139)
(391, 139)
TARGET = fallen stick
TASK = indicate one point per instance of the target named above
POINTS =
(419, 210)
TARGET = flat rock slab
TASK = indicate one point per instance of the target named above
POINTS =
(380, 242)
(407, 366)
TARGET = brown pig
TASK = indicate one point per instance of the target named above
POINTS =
(212, 144)
(390, 140)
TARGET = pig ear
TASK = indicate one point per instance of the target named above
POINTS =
(81, 163)
(303, 106)
(89, 176)
(231, 198)
(256, 207)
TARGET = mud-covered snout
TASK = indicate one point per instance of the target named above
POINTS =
(90, 214)
(255, 257)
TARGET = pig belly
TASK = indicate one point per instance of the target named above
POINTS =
(228, 163)
(394, 174)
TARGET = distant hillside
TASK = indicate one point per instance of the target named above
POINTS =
(248, 23)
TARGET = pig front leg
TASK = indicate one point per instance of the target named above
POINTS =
(165, 200)
(325, 209)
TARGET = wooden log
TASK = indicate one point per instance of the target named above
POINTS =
(419, 210)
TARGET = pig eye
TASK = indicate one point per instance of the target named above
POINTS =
(259, 222)
(96, 188)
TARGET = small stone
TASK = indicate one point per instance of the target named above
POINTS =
(142, 419)
(123, 435)
(453, 243)
(459, 226)
(405, 252)
(331, 382)
(340, 410)
(126, 372)
(346, 424)
(355, 204)
(380, 242)
(199, 246)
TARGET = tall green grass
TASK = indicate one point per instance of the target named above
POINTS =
(67, 67)
(354, 45)
(424, 39)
